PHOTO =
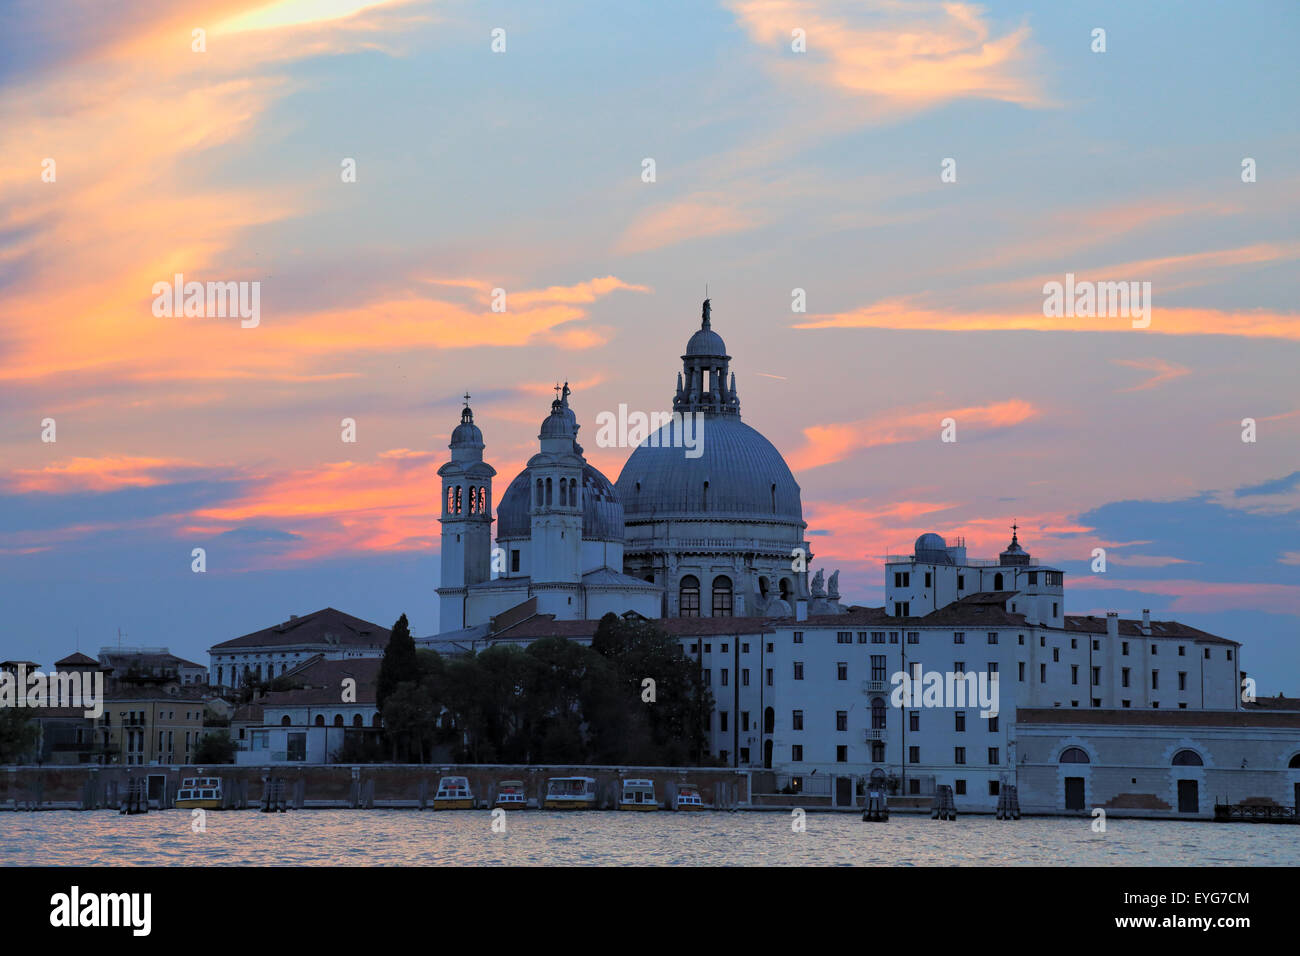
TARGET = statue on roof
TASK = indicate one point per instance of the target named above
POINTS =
(818, 584)
(833, 587)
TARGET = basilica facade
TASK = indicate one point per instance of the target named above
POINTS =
(716, 532)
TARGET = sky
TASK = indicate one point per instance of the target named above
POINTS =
(919, 170)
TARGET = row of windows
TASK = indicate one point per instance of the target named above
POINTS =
(461, 500)
(959, 637)
(568, 492)
(689, 596)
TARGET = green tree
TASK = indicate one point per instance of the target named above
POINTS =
(18, 736)
(410, 718)
(400, 662)
(215, 748)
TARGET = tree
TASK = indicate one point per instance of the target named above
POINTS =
(410, 716)
(215, 748)
(400, 662)
(18, 736)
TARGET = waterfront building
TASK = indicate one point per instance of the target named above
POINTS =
(277, 649)
(331, 703)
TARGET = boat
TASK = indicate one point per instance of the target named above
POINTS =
(453, 794)
(202, 793)
(570, 793)
(511, 795)
(688, 798)
(638, 795)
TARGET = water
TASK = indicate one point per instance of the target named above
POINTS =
(412, 838)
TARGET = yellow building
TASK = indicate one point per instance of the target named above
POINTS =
(152, 726)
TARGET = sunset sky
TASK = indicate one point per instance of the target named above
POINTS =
(522, 170)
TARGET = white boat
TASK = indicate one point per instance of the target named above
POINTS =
(688, 798)
(453, 794)
(511, 795)
(638, 795)
(199, 793)
(570, 793)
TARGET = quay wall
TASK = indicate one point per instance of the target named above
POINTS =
(344, 785)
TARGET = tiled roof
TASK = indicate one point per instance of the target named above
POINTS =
(77, 659)
(323, 683)
(1133, 628)
(325, 627)
(1274, 703)
(1154, 717)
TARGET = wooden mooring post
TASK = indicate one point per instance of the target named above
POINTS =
(1008, 803)
(943, 807)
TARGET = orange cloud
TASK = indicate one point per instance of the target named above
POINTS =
(825, 444)
(96, 474)
(901, 314)
(900, 57)
(697, 216)
(1163, 372)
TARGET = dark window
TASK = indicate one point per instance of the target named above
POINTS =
(914, 756)
(722, 597)
(841, 720)
(842, 671)
(1074, 755)
(959, 755)
(1188, 758)
(514, 559)
(689, 598)
(798, 670)
(960, 720)
(878, 713)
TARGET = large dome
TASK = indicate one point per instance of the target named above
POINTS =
(746, 475)
(602, 516)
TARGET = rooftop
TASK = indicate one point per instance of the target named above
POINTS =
(324, 627)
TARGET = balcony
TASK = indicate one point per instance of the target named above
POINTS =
(873, 686)
(874, 735)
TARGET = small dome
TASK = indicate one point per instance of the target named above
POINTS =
(930, 542)
(466, 434)
(602, 515)
(561, 423)
(706, 342)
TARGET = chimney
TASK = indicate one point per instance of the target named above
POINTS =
(1112, 624)
(1146, 620)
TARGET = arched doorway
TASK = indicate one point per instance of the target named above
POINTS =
(767, 754)
(1076, 796)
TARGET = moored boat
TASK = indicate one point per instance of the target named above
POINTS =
(570, 793)
(453, 794)
(638, 795)
(202, 793)
(511, 795)
(688, 798)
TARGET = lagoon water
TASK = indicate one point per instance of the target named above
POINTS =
(534, 838)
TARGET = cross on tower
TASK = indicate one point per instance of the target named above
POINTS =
(467, 399)
(557, 390)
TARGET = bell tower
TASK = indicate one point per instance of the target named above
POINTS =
(556, 504)
(466, 520)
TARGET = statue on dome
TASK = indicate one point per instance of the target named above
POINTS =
(833, 591)
(818, 584)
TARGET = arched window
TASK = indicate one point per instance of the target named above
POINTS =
(769, 720)
(877, 713)
(1295, 762)
(564, 492)
(357, 721)
(320, 720)
(722, 596)
(785, 589)
(1074, 755)
(573, 492)
(774, 498)
(376, 721)
(1188, 758)
(451, 499)
(540, 498)
(459, 502)
(706, 496)
(997, 582)
(688, 604)
(338, 720)
(548, 492)
(482, 500)
(218, 676)
(284, 721)
(763, 588)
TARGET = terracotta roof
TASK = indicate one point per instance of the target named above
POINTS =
(543, 625)
(77, 659)
(1274, 703)
(1133, 628)
(1153, 717)
(325, 627)
(323, 683)
(247, 713)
